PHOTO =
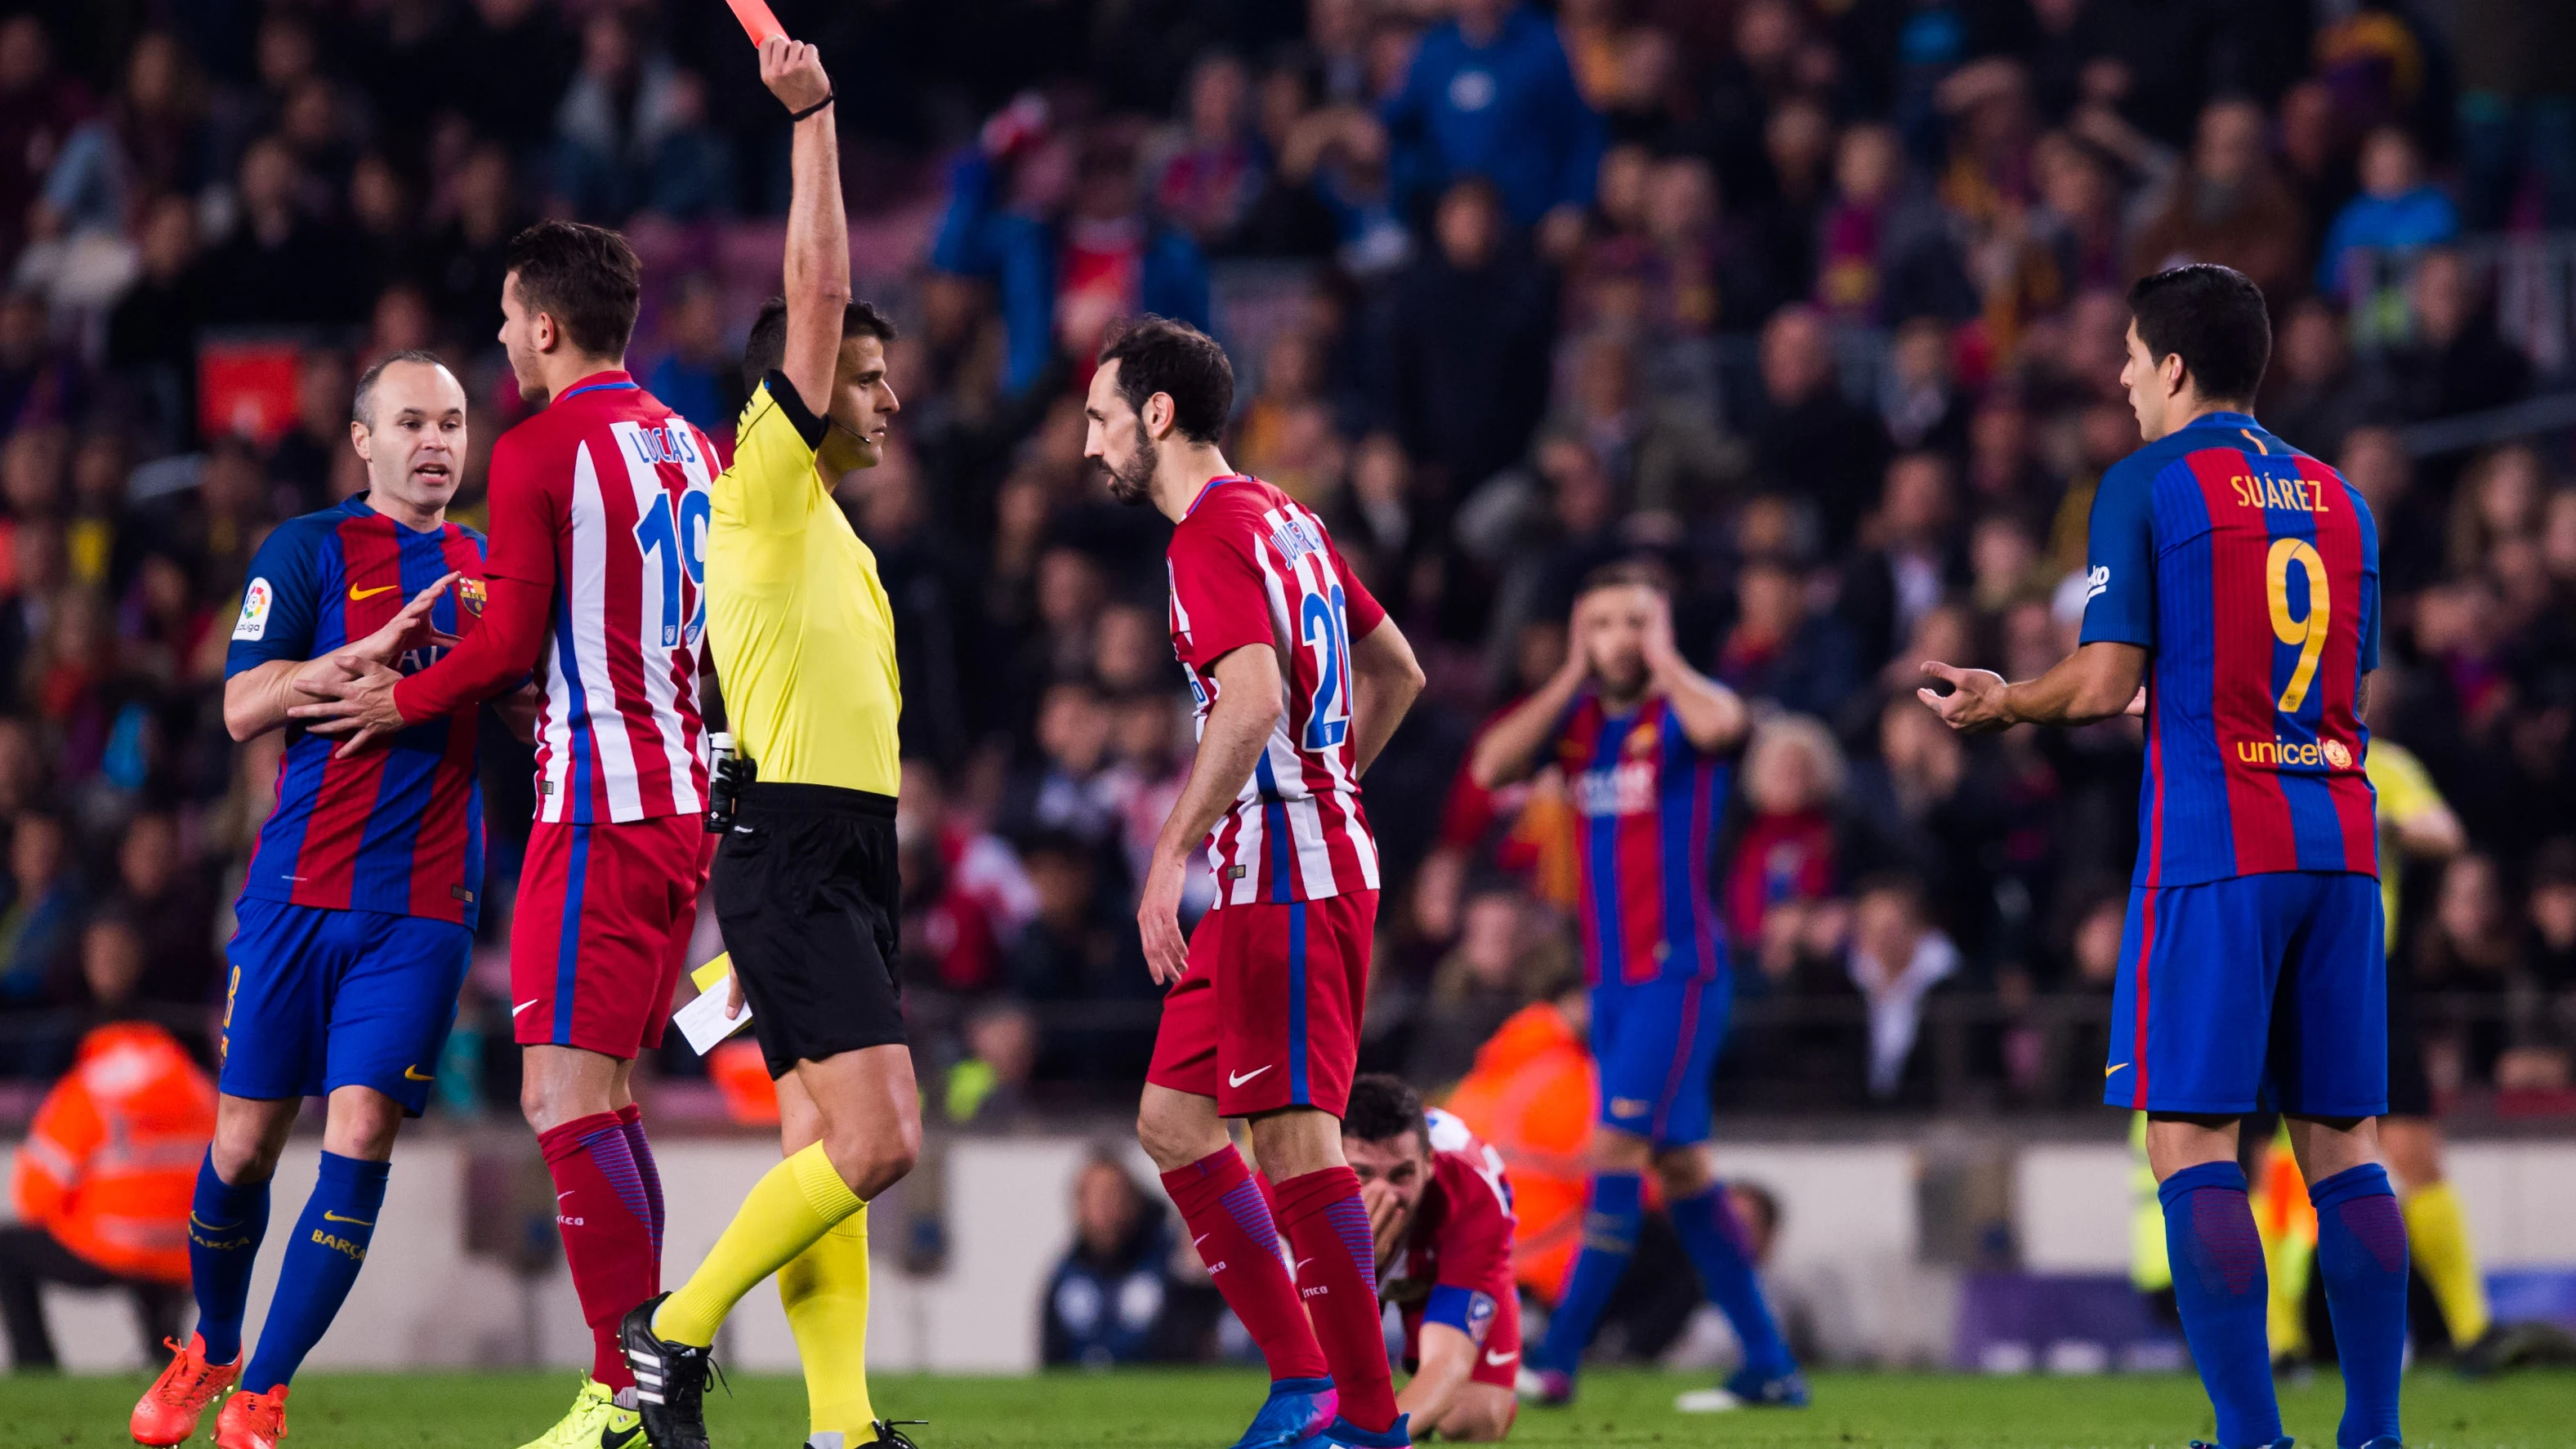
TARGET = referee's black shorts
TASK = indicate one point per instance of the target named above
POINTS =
(808, 891)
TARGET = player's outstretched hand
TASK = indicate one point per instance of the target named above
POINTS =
(1972, 703)
(411, 629)
(360, 706)
(1158, 922)
(793, 71)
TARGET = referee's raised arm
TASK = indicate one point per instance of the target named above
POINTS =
(818, 234)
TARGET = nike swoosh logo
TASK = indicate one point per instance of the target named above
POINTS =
(1232, 1080)
(212, 1227)
(356, 593)
(329, 1216)
(1500, 1359)
(1201, 1238)
(524, 1005)
(2112, 1071)
(1301, 1262)
(609, 1438)
(414, 1074)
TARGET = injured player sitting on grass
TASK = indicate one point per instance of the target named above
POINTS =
(1440, 1209)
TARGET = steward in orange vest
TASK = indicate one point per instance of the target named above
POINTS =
(1530, 1097)
(103, 1182)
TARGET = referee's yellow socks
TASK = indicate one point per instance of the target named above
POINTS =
(2437, 1235)
(825, 1289)
(793, 1205)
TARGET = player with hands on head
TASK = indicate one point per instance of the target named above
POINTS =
(1299, 679)
(356, 920)
(1648, 746)
(2237, 579)
(1440, 1210)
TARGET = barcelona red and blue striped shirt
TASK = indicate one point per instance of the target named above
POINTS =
(398, 828)
(1647, 803)
(2251, 570)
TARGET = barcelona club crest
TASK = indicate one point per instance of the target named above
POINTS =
(469, 593)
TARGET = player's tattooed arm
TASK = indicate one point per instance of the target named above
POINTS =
(1385, 680)
(258, 699)
(1248, 694)
(1712, 715)
(2096, 682)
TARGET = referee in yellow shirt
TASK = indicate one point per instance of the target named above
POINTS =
(805, 880)
(2415, 822)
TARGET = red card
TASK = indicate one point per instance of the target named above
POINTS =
(756, 20)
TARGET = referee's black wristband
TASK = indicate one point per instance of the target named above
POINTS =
(795, 116)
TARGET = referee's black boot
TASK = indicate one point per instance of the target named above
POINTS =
(670, 1381)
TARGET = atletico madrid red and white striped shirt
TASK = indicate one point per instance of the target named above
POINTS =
(598, 558)
(1250, 565)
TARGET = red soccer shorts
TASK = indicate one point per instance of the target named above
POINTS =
(602, 927)
(1268, 1013)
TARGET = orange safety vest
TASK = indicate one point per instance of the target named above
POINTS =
(110, 1166)
(1531, 1097)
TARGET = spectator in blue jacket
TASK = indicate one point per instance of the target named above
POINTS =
(1491, 94)
(41, 925)
(2397, 210)
(1061, 281)
(1110, 1299)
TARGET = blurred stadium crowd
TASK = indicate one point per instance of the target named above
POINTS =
(1819, 301)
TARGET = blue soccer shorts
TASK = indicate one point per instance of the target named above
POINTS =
(322, 999)
(2255, 993)
(1656, 1045)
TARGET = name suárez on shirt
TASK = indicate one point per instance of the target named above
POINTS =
(2306, 495)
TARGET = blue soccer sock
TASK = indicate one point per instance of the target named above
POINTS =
(2361, 1253)
(1609, 1237)
(225, 1223)
(321, 1262)
(2220, 1286)
(1714, 1238)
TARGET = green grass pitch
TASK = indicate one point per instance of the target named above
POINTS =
(1188, 1409)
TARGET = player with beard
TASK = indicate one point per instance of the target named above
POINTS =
(2237, 581)
(1299, 679)
(1647, 745)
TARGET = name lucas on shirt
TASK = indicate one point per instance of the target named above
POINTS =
(2303, 495)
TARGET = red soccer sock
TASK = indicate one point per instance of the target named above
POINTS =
(1231, 1227)
(631, 1117)
(1328, 1228)
(607, 1227)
